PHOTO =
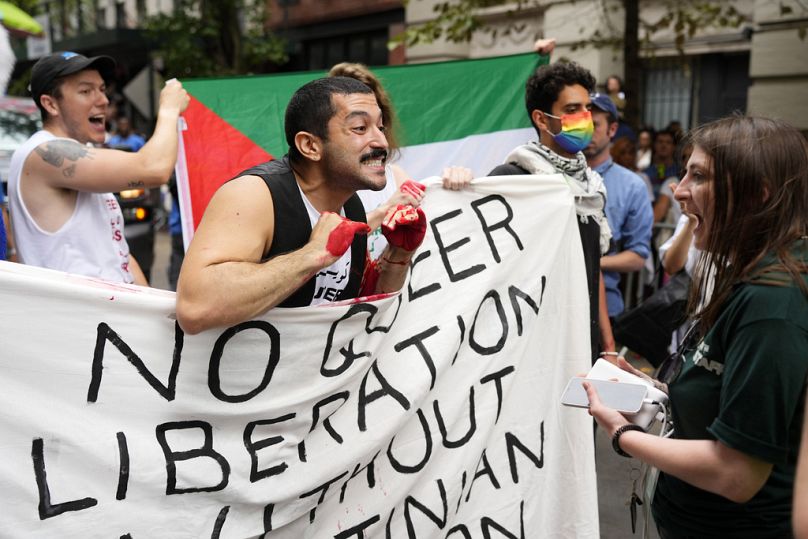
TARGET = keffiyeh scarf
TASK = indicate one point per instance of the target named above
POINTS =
(586, 184)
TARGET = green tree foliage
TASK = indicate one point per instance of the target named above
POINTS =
(203, 38)
(458, 20)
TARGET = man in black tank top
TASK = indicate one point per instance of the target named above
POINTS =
(291, 232)
(558, 103)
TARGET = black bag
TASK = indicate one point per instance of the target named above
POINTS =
(647, 328)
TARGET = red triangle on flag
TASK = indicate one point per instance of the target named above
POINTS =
(215, 152)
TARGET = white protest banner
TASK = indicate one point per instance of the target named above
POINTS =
(430, 413)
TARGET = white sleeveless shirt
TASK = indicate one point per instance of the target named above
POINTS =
(333, 279)
(90, 243)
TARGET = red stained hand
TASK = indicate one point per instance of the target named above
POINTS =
(342, 236)
(404, 227)
(412, 188)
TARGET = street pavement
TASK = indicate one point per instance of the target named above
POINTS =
(614, 472)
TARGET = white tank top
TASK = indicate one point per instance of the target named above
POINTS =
(333, 279)
(371, 200)
(90, 243)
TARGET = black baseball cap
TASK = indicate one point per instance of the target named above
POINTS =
(60, 64)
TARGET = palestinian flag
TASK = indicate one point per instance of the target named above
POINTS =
(468, 112)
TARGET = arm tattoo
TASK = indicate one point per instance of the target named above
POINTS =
(138, 183)
(55, 152)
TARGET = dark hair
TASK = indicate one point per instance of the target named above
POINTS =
(668, 133)
(311, 107)
(619, 146)
(618, 79)
(53, 89)
(548, 81)
(361, 73)
(647, 129)
(760, 207)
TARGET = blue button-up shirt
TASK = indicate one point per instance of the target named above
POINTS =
(2, 227)
(631, 218)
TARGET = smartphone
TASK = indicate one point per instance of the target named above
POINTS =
(621, 396)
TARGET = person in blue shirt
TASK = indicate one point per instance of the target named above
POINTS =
(2, 224)
(628, 207)
(124, 138)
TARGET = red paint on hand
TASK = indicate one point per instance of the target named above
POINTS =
(405, 227)
(370, 278)
(412, 188)
(342, 236)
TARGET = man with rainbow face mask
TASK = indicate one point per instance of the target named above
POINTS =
(559, 106)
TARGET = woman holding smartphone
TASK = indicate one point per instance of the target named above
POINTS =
(738, 392)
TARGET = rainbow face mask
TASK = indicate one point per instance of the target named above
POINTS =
(576, 131)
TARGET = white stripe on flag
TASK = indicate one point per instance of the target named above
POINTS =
(480, 153)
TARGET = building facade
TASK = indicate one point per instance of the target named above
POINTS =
(757, 67)
(321, 33)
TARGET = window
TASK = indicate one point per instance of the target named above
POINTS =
(120, 15)
(668, 92)
(368, 48)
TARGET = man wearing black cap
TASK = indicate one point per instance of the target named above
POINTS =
(628, 207)
(60, 187)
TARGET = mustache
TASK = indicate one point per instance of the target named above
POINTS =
(374, 154)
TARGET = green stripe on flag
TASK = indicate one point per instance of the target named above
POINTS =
(452, 100)
(434, 102)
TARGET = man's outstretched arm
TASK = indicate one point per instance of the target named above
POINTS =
(64, 163)
(223, 281)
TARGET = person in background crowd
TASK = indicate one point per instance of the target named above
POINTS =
(275, 235)
(60, 190)
(663, 163)
(614, 88)
(738, 397)
(3, 224)
(9, 252)
(665, 207)
(645, 140)
(558, 102)
(628, 208)
(624, 153)
(124, 138)
(175, 232)
(399, 189)
(675, 127)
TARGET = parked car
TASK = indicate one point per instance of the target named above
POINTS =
(20, 118)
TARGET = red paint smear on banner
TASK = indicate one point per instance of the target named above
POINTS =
(215, 151)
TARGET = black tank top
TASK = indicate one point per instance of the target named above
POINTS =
(293, 227)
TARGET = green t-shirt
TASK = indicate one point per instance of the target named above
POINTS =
(743, 385)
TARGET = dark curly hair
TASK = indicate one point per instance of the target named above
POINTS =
(547, 82)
